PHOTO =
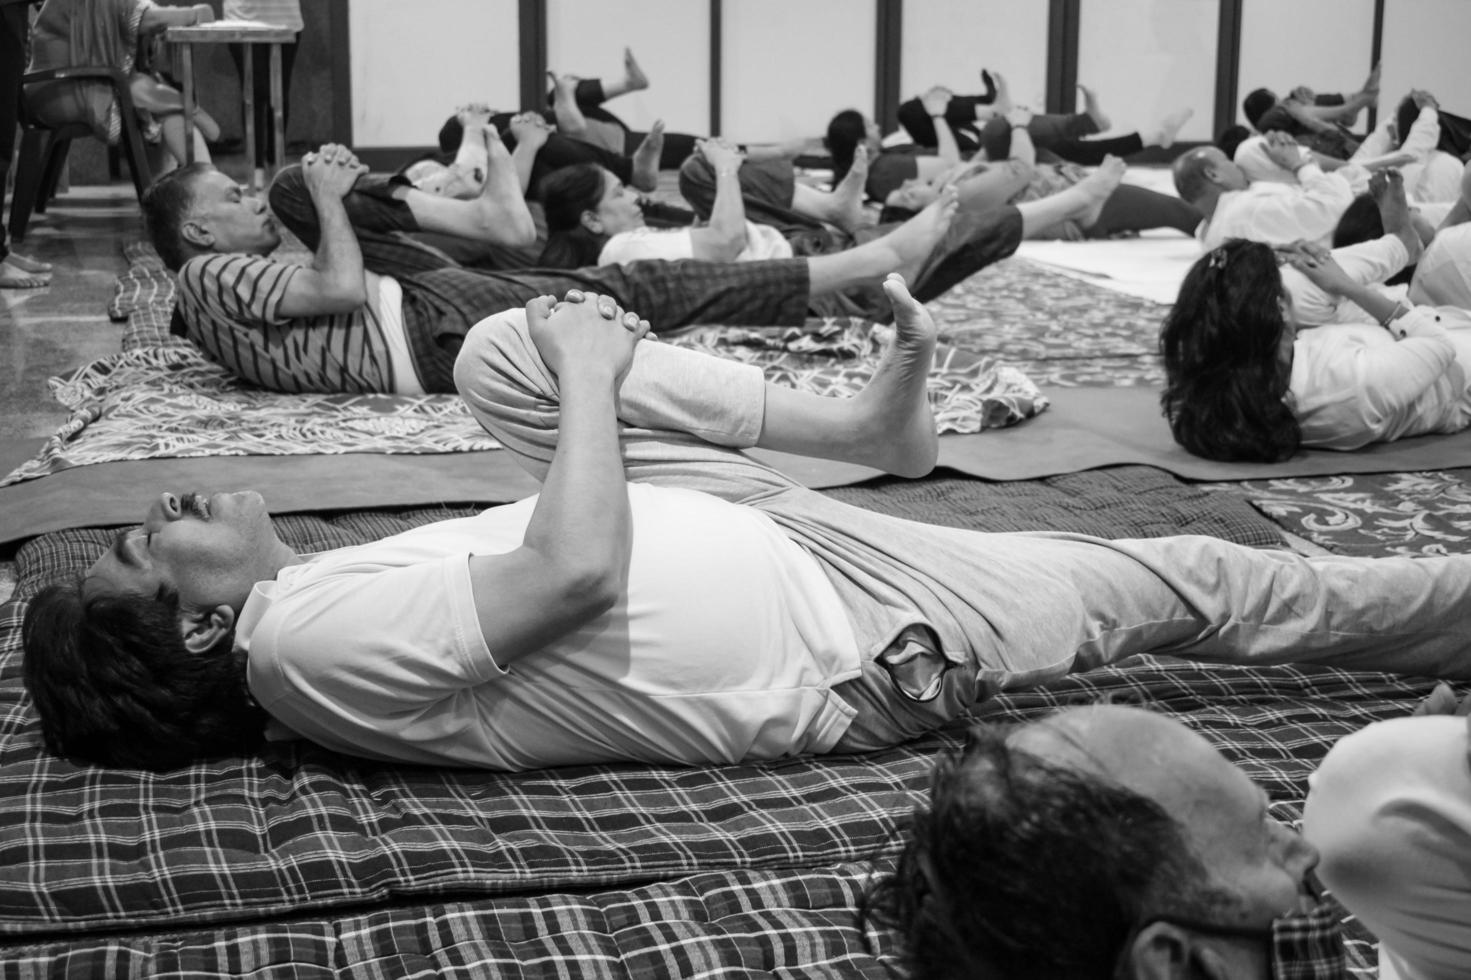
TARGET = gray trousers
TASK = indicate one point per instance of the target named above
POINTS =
(945, 617)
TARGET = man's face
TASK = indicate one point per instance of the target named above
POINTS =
(1247, 852)
(212, 549)
(618, 210)
(229, 221)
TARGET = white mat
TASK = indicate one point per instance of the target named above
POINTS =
(1150, 266)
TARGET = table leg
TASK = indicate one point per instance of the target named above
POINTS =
(278, 109)
(247, 93)
(188, 58)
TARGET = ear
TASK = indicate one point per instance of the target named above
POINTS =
(1161, 951)
(205, 628)
(591, 222)
(197, 235)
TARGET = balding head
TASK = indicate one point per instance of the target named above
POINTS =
(1205, 172)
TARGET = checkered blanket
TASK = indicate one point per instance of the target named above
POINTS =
(604, 870)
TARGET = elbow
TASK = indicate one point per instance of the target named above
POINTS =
(592, 591)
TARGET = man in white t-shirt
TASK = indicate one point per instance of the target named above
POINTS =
(1276, 213)
(665, 598)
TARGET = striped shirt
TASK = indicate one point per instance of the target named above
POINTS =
(230, 305)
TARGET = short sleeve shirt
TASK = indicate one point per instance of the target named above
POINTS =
(230, 306)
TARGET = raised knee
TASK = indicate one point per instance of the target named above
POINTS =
(491, 349)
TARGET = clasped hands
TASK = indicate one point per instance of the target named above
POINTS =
(585, 330)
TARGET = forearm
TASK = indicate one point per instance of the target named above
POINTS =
(340, 284)
(581, 525)
(946, 147)
(523, 159)
(1371, 301)
(158, 18)
(728, 212)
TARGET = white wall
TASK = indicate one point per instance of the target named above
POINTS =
(788, 65)
(948, 42)
(1283, 45)
(670, 38)
(413, 63)
(1425, 47)
(1148, 58)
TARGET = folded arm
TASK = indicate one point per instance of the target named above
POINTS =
(335, 281)
(572, 565)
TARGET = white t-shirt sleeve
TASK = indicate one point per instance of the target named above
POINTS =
(668, 244)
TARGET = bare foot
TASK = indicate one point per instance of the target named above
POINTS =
(847, 198)
(636, 79)
(1169, 127)
(27, 264)
(1388, 190)
(1096, 188)
(914, 240)
(897, 424)
(1090, 106)
(646, 159)
(1002, 103)
(12, 276)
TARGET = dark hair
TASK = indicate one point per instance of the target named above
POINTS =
(1361, 222)
(1256, 104)
(844, 132)
(1023, 868)
(1231, 137)
(115, 685)
(1405, 115)
(1225, 383)
(166, 204)
(565, 194)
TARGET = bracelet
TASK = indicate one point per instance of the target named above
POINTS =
(1399, 310)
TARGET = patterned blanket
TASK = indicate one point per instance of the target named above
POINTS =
(162, 398)
(304, 862)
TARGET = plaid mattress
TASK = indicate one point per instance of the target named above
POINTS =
(586, 871)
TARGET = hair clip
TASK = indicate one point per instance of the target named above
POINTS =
(1217, 258)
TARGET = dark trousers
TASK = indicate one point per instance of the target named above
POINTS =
(15, 26)
(442, 300)
(1059, 137)
(1131, 208)
(1455, 131)
(260, 67)
(590, 99)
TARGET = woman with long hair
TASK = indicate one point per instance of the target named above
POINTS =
(1246, 380)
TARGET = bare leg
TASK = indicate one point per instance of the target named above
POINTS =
(570, 120)
(1081, 203)
(633, 80)
(888, 425)
(903, 250)
(844, 206)
(646, 157)
(1388, 190)
(1169, 127)
(1091, 107)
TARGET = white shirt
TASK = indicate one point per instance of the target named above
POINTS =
(670, 244)
(724, 647)
(1355, 384)
(1280, 214)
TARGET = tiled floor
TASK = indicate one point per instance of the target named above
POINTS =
(44, 332)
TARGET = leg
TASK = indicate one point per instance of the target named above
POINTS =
(994, 187)
(1050, 128)
(1081, 202)
(685, 412)
(1390, 810)
(960, 116)
(1090, 153)
(975, 240)
(381, 223)
(16, 272)
(1131, 208)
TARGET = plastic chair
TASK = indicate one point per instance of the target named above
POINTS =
(43, 148)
